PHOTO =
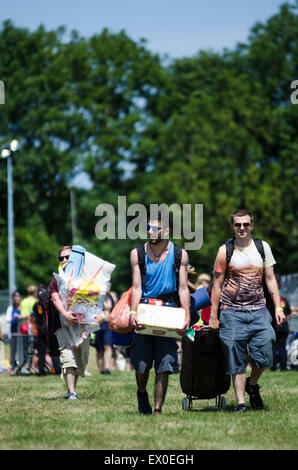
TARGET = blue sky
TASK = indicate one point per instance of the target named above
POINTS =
(178, 28)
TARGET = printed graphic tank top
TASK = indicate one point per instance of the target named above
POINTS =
(243, 286)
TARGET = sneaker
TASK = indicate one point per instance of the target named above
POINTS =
(14, 371)
(255, 399)
(241, 408)
(144, 405)
(157, 412)
(71, 396)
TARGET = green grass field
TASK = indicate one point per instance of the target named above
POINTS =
(35, 415)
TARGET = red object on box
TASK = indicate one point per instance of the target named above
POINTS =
(155, 302)
(205, 313)
(24, 328)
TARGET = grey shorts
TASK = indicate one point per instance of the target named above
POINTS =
(243, 331)
(147, 349)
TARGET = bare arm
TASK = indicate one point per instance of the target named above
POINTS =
(183, 291)
(218, 281)
(272, 285)
(136, 292)
(58, 304)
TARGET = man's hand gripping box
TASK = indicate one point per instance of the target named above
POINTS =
(160, 320)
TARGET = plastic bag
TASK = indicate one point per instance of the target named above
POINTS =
(85, 298)
(81, 297)
(192, 330)
(119, 316)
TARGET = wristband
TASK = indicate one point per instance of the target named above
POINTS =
(132, 312)
(279, 308)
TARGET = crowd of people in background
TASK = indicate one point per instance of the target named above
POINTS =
(27, 320)
(26, 316)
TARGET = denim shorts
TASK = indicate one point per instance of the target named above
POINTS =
(147, 349)
(246, 331)
(103, 337)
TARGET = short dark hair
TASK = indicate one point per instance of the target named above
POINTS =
(15, 294)
(241, 213)
(64, 248)
(160, 218)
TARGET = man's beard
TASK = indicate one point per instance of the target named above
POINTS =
(155, 241)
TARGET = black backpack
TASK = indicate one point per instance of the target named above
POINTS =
(44, 295)
(260, 247)
(177, 263)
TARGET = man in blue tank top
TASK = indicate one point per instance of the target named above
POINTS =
(160, 282)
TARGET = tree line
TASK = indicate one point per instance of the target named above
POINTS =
(217, 129)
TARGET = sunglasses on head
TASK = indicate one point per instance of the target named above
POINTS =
(62, 258)
(155, 228)
(245, 224)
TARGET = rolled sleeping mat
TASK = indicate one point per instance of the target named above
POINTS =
(200, 299)
(76, 261)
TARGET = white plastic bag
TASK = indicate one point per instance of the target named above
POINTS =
(84, 296)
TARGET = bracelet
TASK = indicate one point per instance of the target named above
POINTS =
(132, 312)
(279, 308)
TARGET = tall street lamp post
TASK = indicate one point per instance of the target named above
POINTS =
(7, 152)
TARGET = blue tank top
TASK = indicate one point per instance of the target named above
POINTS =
(160, 277)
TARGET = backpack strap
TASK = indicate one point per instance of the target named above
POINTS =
(260, 248)
(177, 262)
(268, 299)
(229, 249)
(142, 263)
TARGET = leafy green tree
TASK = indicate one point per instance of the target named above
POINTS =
(75, 106)
(217, 129)
(229, 139)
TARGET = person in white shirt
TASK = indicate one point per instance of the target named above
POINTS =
(243, 321)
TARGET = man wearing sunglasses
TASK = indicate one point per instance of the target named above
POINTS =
(160, 282)
(73, 360)
(245, 323)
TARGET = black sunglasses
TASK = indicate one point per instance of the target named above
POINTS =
(61, 258)
(245, 225)
(155, 228)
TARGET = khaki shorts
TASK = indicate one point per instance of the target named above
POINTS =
(72, 357)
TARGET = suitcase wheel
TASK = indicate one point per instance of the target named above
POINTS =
(184, 404)
(223, 403)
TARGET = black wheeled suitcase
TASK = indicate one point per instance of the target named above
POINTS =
(203, 369)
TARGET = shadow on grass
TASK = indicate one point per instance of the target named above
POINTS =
(228, 409)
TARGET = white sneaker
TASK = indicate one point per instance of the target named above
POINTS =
(71, 396)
